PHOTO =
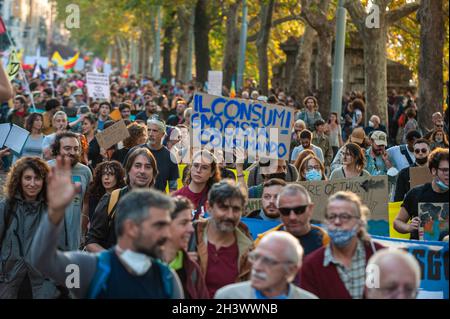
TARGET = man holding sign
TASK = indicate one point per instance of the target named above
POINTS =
(428, 201)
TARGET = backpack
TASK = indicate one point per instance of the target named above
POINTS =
(405, 153)
(100, 279)
(113, 199)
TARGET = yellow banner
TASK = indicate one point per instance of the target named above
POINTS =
(394, 209)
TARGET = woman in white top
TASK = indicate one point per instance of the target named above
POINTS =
(354, 162)
(33, 144)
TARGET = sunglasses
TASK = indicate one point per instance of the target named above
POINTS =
(422, 150)
(286, 211)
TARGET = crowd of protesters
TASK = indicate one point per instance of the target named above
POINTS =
(148, 237)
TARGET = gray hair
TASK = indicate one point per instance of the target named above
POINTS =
(390, 253)
(136, 204)
(292, 190)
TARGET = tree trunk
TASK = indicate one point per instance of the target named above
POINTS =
(374, 42)
(201, 38)
(324, 72)
(231, 44)
(141, 54)
(261, 45)
(300, 77)
(431, 18)
(183, 43)
(118, 54)
(167, 48)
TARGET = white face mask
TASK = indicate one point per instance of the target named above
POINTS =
(371, 124)
(137, 262)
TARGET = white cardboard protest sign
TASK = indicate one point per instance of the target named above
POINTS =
(16, 138)
(112, 135)
(255, 126)
(98, 85)
(215, 82)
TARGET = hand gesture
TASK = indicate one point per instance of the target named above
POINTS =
(60, 189)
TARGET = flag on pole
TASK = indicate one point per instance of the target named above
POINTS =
(13, 66)
(56, 57)
(233, 90)
(2, 26)
(126, 71)
(69, 64)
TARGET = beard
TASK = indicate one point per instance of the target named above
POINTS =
(153, 251)
(225, 225)
(421, 161)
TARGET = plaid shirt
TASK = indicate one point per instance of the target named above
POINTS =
(353, 277)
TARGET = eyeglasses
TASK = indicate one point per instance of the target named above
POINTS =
(342, 217)
(286, 211)
(439, 125)
(422, 150)
(253, 257)
(443, 169)
(316, 167)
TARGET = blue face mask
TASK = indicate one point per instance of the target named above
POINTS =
(313, 175)
(341, 238)
(441, 185)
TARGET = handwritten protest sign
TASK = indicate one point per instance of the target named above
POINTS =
(433, 220)
(255, 126)
(419, 176)
(112, 135)
(372, 190)
(215, 82)
(98, 85)
(433, 260)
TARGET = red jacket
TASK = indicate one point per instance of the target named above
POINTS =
(325, 282)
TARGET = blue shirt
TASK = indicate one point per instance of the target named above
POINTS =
(259, 295)
(375, 166)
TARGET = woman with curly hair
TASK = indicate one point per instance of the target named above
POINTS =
(200, 176)
(20, 215)
(108, 176)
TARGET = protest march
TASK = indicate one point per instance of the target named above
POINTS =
(225, 180)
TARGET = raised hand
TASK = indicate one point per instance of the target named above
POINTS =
(60, 189)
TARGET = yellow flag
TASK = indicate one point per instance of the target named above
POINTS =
(13, 67)
(57, 58)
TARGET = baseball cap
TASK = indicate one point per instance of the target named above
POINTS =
(379, 138)
(358, 135)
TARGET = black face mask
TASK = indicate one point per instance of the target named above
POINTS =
(276, 175)
(421, 161)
